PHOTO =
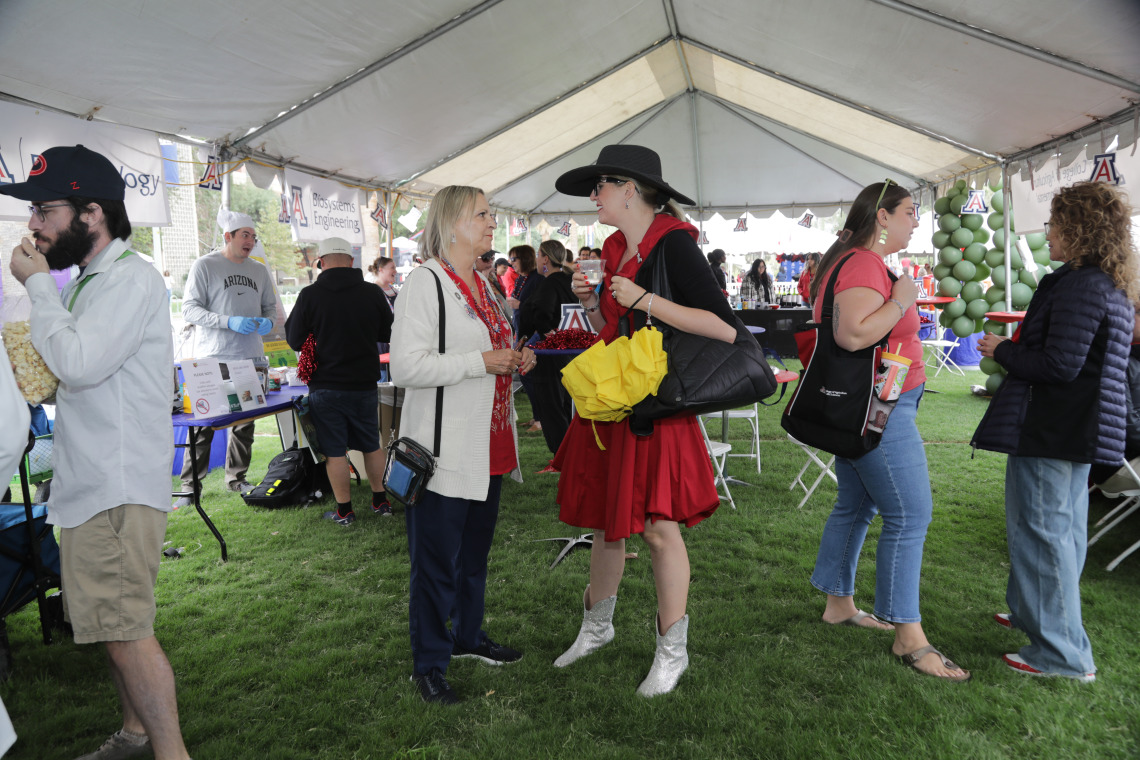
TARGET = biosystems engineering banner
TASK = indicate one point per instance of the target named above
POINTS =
(26, 132)
(321, 208)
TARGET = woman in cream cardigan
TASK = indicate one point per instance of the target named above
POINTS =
(450, 531)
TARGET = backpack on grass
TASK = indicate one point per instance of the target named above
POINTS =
(292, 479)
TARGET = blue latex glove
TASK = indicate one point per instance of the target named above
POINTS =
(264, 325)
(243, 325)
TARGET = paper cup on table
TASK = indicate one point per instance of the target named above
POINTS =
(891, 375)
(591, 269)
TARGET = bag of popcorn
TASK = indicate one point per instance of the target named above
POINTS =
(33, 377)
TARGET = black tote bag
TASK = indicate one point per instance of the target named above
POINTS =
(704, 374)
(834, 407)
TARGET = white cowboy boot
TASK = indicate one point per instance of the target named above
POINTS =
(597, 630)
(669, 661)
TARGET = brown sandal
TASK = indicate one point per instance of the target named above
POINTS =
(911, 661)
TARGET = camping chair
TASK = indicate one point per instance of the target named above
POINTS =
(939, 356)
(1125, 483)
(824, 471)
(29, 565)
(718, 453)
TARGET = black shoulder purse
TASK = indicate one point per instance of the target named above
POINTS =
(704, 374)
(410, 465)
(835, 407)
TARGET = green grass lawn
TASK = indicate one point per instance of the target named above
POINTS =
(298, 646)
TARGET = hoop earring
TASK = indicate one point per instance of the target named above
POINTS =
(882, 237)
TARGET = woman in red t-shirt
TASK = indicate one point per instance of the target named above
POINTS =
(892, 480)
(646, 484)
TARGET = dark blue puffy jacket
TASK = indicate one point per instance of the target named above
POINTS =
(1064, 396)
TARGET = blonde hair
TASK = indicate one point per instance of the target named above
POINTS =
(1094, 223)
(446, 208)
(652, 198)
(556, 252)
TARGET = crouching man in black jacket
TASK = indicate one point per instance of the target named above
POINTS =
(347, 317)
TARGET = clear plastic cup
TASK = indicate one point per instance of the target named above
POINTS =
(591, 269)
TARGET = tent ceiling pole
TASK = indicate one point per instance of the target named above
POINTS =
(1120, 117)
(367, 71)
(1011, 45)
(531, 114)
(664, 107)
(671, 19)
(696, 148)
(841, 101)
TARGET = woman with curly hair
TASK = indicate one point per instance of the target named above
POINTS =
(1060, 409)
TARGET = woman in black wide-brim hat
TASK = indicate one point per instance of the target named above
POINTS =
(640, 484)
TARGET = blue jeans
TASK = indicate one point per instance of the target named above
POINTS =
(1046, 522)
(891, 481)
(449, 540)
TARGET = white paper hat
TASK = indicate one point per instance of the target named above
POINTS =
(229, 221)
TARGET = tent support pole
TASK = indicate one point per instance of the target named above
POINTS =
(1009, 248)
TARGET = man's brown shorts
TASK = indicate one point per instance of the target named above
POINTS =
(109, 566)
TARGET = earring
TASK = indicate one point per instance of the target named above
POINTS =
(453, 238)
(627, 204)
(883, 237)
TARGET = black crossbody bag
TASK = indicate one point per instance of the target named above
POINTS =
(411, 465)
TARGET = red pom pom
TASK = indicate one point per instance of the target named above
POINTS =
(563, 340)
(307, 362)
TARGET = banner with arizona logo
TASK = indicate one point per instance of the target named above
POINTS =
(1033, 195)
(26, 132)
(317, 208)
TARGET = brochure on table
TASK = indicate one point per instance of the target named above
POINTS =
(211, 396)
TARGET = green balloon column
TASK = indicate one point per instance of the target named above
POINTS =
(965, 264)
(961, 268)
(1022, 282)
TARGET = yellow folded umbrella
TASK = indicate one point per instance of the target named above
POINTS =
(608, 379)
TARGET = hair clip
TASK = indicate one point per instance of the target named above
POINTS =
(844, 235)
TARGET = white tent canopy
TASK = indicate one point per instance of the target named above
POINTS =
(784, 104)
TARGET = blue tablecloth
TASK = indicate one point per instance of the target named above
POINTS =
(965, 354)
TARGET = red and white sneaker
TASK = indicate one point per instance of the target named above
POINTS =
(1015, 663)
(1002, 619)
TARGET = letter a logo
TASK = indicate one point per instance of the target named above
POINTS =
(1105, 170)
(742, 224)
(211, 179)
(298, 207)
(975, 204)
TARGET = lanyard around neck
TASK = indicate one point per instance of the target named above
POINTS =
(84, 281)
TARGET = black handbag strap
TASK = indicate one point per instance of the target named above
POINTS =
(829, 289)
(658, 284)
(439, 390)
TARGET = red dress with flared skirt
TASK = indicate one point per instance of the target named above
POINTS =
(663, 476)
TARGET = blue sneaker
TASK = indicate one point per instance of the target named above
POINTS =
(348, 519)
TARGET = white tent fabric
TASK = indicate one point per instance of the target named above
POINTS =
(779, 104)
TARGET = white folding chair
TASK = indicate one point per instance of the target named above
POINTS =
(1124, 484)
(939, 356)
(824, 471)
(718, 453)
(752, 414)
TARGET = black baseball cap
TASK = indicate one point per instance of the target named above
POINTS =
(68, 171)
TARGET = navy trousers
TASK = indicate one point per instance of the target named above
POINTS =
(449, 541)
